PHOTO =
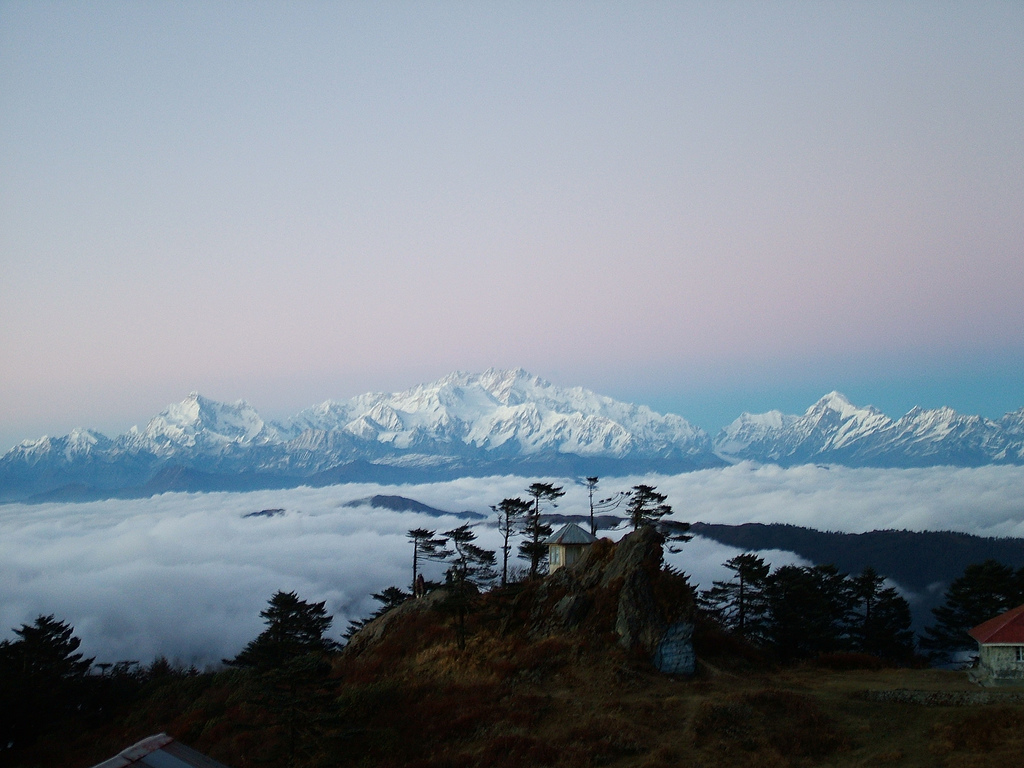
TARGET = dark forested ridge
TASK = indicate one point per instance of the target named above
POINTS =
(916, 560)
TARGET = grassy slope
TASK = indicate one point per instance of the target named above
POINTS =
(571, 700)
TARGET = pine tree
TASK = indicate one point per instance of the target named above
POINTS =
(426, 545)
(390, 597)
(510, 512)
(601, 505)
(880, 621)
(534, 549)
(740, 603)
(471, 569)
(294, 628)
(42, 679)
(645, 506)
(808, 610)
(984, 591)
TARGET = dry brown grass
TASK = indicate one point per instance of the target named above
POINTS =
(576, 700)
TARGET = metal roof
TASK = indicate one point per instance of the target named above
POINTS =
(1006, 628)
(569, 534)
(160, 751)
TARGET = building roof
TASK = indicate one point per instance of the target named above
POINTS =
(160, 751)
(1006, 628)
(570, 533)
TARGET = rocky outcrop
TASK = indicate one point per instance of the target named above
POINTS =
(623, 588)
(374, 631)
(618, 593)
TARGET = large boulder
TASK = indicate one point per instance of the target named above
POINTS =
(624, 588)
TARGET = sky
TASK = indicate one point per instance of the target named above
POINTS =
(186, 575)
(708, 208)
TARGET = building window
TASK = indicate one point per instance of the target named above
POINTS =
(1020, 653)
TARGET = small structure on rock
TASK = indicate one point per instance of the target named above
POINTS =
(567, 545)
(1000, 649)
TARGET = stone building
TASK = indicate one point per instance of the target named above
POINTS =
(567, 545)
(1000, 649)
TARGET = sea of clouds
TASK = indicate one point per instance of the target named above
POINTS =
(186, 575)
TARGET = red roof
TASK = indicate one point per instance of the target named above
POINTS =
(1005, 628)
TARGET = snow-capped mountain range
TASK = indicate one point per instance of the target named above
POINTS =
(496, 422)
(835, 431)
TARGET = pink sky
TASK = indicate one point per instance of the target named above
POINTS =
(707, 207)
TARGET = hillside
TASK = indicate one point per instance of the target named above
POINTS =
(559, 672)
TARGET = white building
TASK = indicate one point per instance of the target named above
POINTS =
(567, 545)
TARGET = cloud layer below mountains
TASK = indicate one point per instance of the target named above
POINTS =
(185, 575)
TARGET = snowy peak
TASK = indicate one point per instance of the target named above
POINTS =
(83, 442)
(199, 421)
(836, 431)
(510, 410)
(78, 444)
(498, 421)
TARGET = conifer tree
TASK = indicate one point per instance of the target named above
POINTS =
(389, 597)
(42, 679)
(740, 603)
(645, 506)
(471, 569)
(880, 621)
(294, 628)
(601, 505)
(426, 545)
(984, 591)
(808, 610)
(510, 512)
(534, 549)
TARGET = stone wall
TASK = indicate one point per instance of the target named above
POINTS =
(998, 664)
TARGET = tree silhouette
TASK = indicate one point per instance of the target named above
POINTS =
(601, 505)
(808, 610)
(471, 569)
(984, 591)
(645, 506)
(424, 544)
(389, 597)
(534, 549)
(294, 628)
(510, 512)
(880, 621)
(42, 679)
(740, 604)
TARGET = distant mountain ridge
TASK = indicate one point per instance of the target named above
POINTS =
(496, 422)
(835, 431)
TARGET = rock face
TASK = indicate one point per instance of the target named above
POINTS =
(653, 607)
(375, 631)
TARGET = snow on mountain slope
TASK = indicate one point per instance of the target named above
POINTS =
(831, 424)
(79, 444)
(1012, 426)
(946, 436)
(754, 433)
(199, 423)
(834, 430)
(509, 410)
(495, 421)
